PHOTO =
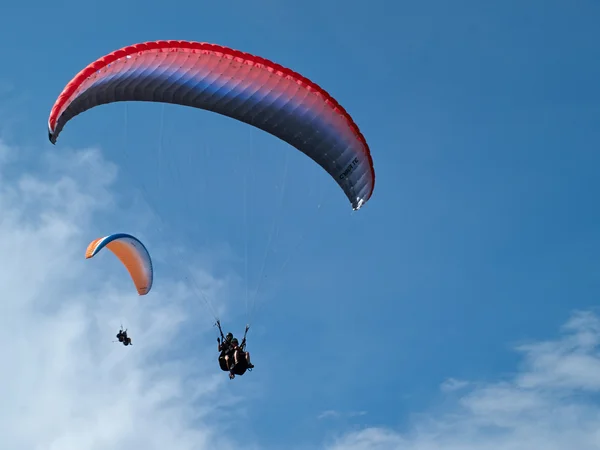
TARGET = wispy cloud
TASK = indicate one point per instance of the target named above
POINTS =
(452, 384)
(333, 414)
(64, 384)
(550, 404)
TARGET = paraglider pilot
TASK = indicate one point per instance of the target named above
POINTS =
(123, 338)
(225, 351)
(232, 357)
(241, 360)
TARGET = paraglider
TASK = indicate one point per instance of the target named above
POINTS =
(136, 259)
(132, 254)
(239, 85)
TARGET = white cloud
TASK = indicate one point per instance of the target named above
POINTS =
(550, 404)
(64, 384)
(334, 414)
(330, 413)
(452, 384)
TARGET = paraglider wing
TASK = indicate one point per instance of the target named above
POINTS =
(132, 253)
(245, 87)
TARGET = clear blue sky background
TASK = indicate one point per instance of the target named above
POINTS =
(482, 231)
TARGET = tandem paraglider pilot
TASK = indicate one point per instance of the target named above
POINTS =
(123, 338)
(232, 356)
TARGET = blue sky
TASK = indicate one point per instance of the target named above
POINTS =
(481, 234)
